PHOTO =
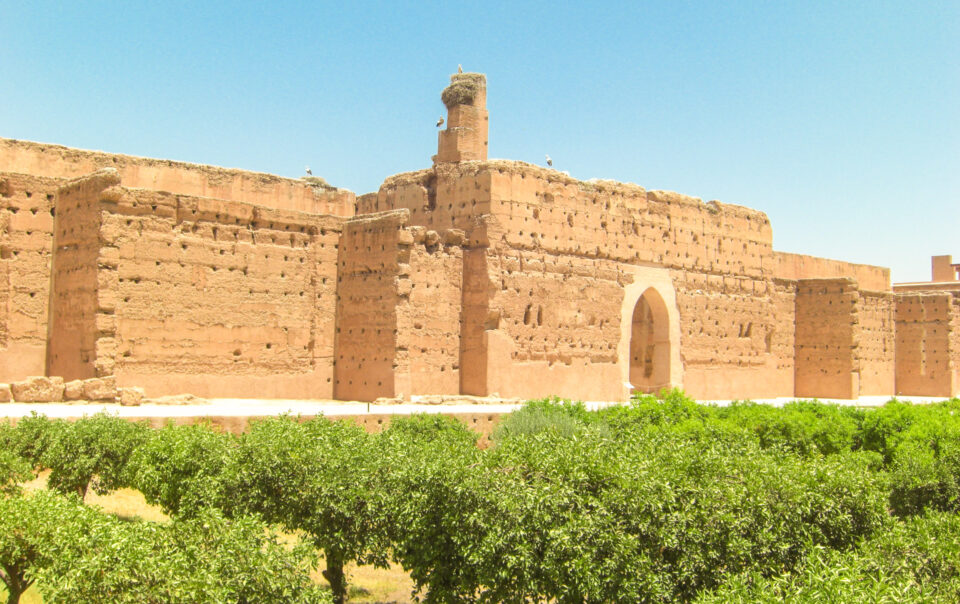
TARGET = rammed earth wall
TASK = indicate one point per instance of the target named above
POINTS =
(473, 276)
(179, 293)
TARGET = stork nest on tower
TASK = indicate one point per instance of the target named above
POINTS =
(463, 89)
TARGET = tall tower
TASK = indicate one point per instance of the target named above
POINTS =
(465, 137)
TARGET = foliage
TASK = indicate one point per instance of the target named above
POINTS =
(559, 415)
(913, 561)
(203, 559)
(427, 464)
(315, 477)
(412, 432)
(659, 500)
(669, 408)
(181, 468)
(13, 468)
(882, 429)
(925, 462)
(805, 427)
(37, 531)
(650, 515)
(91, 452)
(75, 553)
(31, 437)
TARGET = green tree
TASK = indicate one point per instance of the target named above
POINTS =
(315, 477)
(37, 531)
(206, 558)
(428, 464)
(917, 560)
(180, 468)
(13, 468)
(91, 452)
(30, 438)
(657, 511)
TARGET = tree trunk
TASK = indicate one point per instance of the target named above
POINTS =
(15, 582)
(15, 588)
(13, 597)
(335, 576)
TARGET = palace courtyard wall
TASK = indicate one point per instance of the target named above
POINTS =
(474, 276)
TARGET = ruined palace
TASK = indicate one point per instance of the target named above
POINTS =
(471, 276)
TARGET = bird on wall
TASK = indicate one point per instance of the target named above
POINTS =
(309, 171)
(549, 161)
(439, 122)
(459, 68)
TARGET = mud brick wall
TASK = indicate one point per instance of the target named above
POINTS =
(367, 299)
(825, 338)
(875, 342)
(553, 324)
(430, 296)
(543, 209)
(398, 315)
(737, 335)
(465, 137)
(266, 190)
(478, 275)
(26, 242)
(443, 197)
(799, 266)
(76, 321)
(221, 297)
(564, 244)
(718, 254)
(927, 344)
(200, 295)
(954, 341)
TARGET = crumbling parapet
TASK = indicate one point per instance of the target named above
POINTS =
(465, 137)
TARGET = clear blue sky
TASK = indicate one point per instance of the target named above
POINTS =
(840, 120)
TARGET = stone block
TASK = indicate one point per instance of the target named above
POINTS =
(100, 389)
(73, 390)
(38, 389)
(131, 397)
(5, 394)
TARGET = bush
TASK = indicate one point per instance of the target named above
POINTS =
(30, 438)
(427, 464)
(671, 410)
(562, 416)
(925, 466)
(913, 561)
(678, 518)
(77, 554)
(882, 429)
(805, 427)
(920, 446)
